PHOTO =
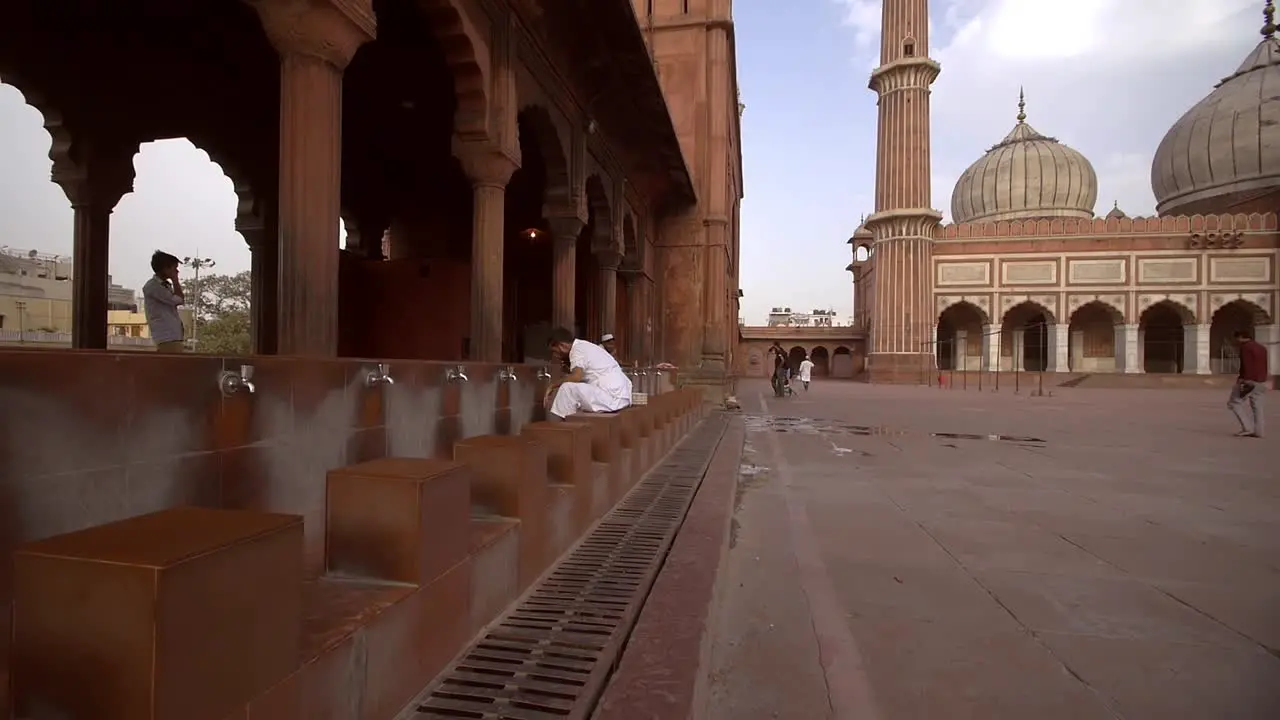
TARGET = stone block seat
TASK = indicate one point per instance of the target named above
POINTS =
(207, 614)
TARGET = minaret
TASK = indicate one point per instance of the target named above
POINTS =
(902, 313)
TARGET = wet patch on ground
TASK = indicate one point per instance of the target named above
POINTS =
(813, 426)
(750, 476)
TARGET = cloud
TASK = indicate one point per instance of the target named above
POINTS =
(1107, 77)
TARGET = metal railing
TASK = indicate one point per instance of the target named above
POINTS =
(41, 337)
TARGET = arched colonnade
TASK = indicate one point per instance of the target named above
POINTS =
(464, 184)
(1097, 337)
(836, 360)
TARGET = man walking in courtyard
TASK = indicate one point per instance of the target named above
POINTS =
(1250, 386)
(778, 377)
(806, 371)
(595, 382)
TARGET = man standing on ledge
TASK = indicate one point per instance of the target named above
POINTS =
(595, 382)
(1251, 384)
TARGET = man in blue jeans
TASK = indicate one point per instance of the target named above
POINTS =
(1250, 386)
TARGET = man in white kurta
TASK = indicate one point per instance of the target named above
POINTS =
(595, 382)
(806, 371)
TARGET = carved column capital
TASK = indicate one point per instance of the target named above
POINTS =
(608, 259)
(328, 30)
(97, 180)
(565, 229)
(486, 164)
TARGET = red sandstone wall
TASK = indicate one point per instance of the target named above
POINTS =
(404, 309)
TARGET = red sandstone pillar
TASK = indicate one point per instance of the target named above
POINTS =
(93, 185)
(256, 225)
(714, 346)
(565, 232)
(609, 261)
(316, 40)
(489, 170)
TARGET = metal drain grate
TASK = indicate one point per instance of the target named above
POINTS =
(551, 656)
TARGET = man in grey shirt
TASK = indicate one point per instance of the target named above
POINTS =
(161, 297)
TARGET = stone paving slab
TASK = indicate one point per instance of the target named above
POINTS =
(1127, 566)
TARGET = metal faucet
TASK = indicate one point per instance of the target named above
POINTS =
(543, 373)
(507, 374)
(231, 383)
(458, 373)
(379, 375)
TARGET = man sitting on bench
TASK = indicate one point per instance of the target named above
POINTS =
(595, 382)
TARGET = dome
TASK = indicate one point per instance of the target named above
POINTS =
(1226, 149)
(1026, 175)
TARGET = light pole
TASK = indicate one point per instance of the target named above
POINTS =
(196, 264)
(22, 320)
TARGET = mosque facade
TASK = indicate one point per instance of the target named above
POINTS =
(1028, 276)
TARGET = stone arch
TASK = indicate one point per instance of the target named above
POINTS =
(861, 252)
(62, 141)
(1229, 317)
(459, 40)
(1091, 332)
(1163, 338)
(537, 120)
(632, 248)
(1257, 314)
(842, 362)
(821, 360)
(794, 356)
(965, 306)
(960, 331)
(601, 216)
(1024, 336)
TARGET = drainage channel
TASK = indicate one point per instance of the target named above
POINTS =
(552, 654)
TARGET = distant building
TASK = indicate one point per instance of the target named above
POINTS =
(784, 317)
(35, 303)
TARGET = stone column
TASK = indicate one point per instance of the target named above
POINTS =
(609, 261)
(256, 224)
(1269, 336)
(959, 349)
(489, 170)
(1077, 350)
(1019, 352)
(1127, 357)
(1195, 350)
(565, 232)
(713, 338)
(93, 185)
(635, 316)
(1059, 339)
(315, 40)
(990, 348)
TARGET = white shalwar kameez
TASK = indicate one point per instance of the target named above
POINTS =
(605, 388)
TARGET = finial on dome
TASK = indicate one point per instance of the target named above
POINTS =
(1269, 20)
(1022, 101)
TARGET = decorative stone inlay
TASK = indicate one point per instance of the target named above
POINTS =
(1216, 240)
(1039, 272)
(1096, 271)
(1261, 299)
(1048, 302)
(1187, 301)
(964, 273)
(1230, 269)
(1156, 270)
(982, 302)
(1116, 301)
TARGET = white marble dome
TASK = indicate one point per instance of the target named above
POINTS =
(1226, 148)
(1025, 176)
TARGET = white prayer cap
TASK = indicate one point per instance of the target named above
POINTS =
(606, 337)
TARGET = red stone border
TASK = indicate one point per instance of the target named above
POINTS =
(658, 676)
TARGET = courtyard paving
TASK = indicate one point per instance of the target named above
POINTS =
(1117, 557)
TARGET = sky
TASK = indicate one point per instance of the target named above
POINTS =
(1107, 77)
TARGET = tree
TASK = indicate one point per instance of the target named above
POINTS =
(222, 315)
